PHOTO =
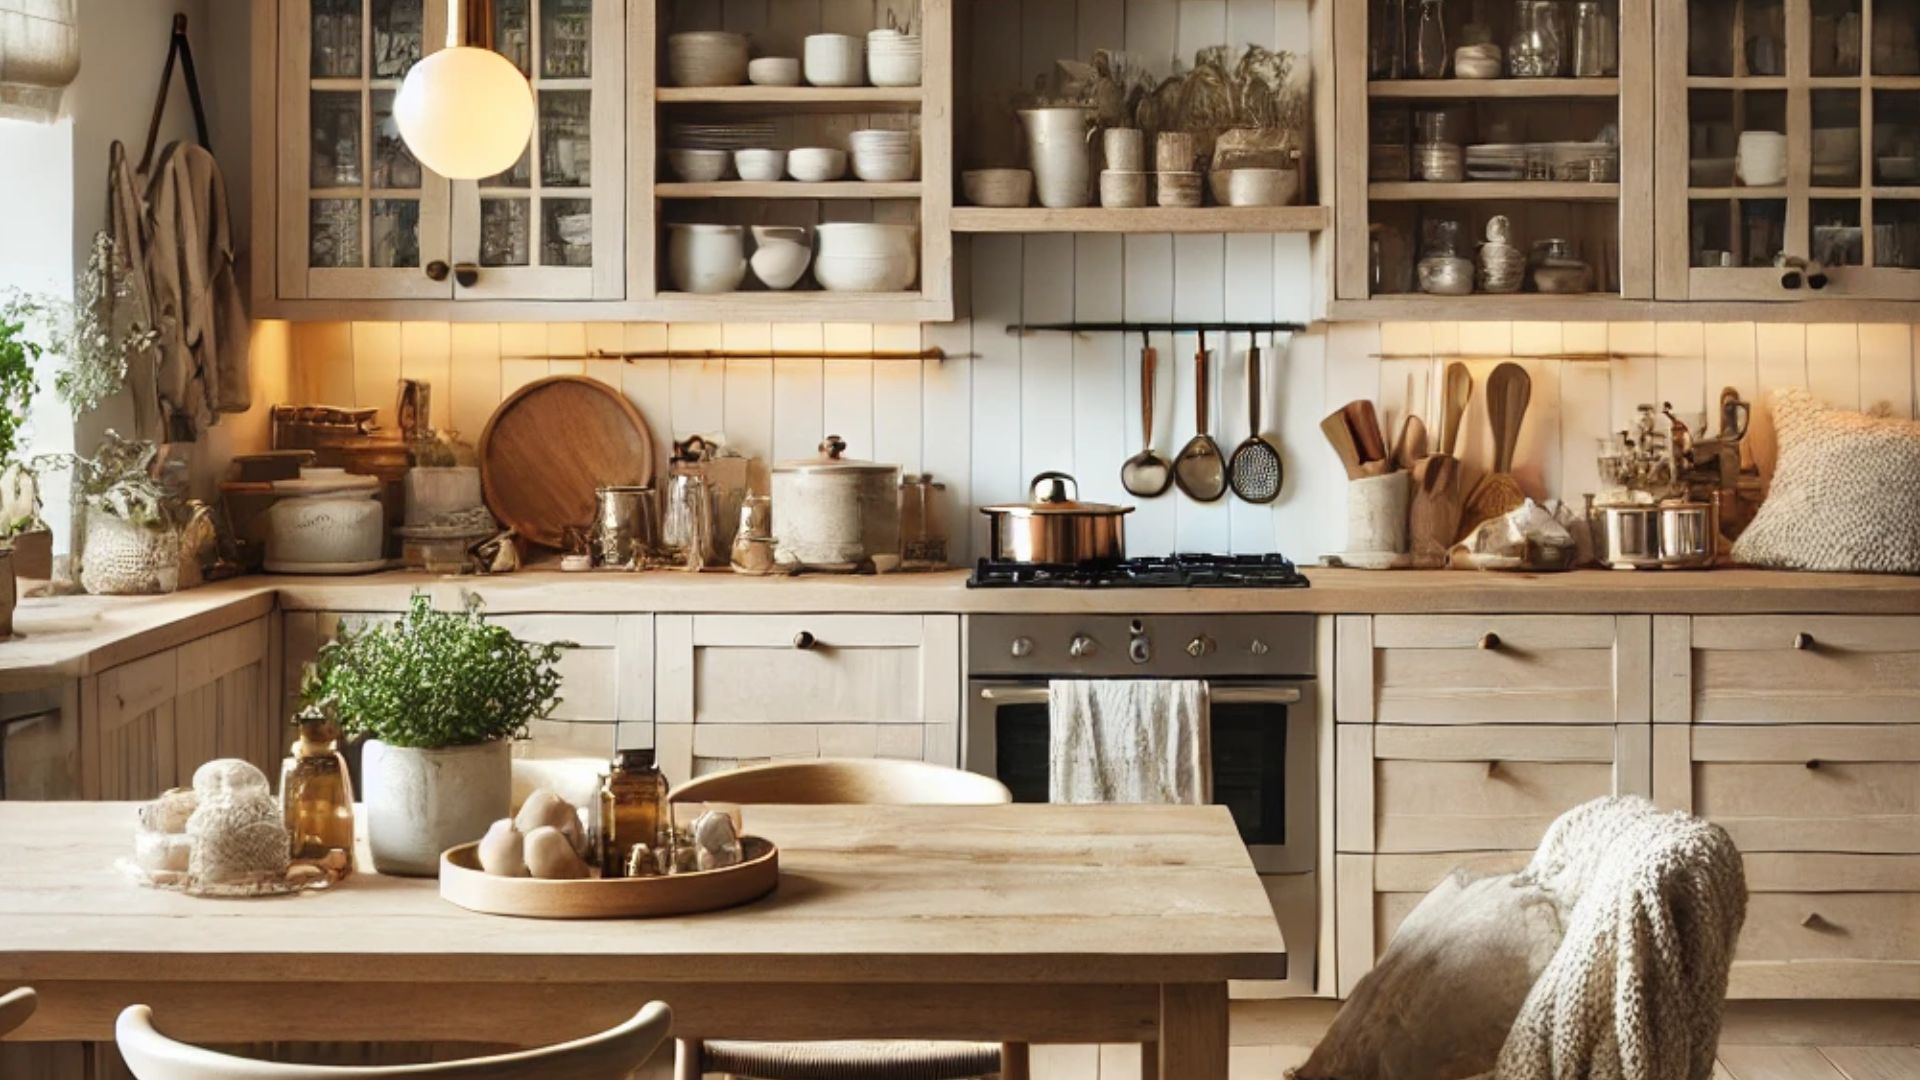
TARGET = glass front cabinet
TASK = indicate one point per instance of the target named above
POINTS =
(1790, 149)
(360, 219)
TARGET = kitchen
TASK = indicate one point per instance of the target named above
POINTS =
(1381, 696)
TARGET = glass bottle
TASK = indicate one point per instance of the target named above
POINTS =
(1430, 54)
(1535, 51)
(633, 810)
(1595, 45)
(316, 798)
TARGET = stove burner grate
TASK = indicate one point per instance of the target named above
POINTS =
(1168, 572)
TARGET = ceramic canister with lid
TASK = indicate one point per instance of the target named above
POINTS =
(327, 521)
(834, 513)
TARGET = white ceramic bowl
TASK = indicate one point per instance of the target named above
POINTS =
(780, 255)
(706, 58)
(706, 258)
(774, 71)
(866, 238)
(816, 164)
(760, 165)
(880, 168)
(997, 187)
(894, 61)
(858, 256)
(835, 60)
(699, 166)
(1124, 189)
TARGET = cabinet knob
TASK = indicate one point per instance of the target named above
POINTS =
(437, 270)
(1082, 647)
(1803, 642)
(1813, 763)
(466, 274)
(1489, 641)
(805, 640)
(1199, 646)
(1493, 766)
(1259, 648)
(1021, 648)
(1815, 921)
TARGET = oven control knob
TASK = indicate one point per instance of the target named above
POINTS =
(1259, 648)
(1199, 646)
(1082, 647)
(1022, 648)
(1140, 650)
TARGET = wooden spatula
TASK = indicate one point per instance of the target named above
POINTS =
(1434, 515)
(1509, 389)
(1340, 437)
(1367, 436)
(1453, 406)
(1411, 446)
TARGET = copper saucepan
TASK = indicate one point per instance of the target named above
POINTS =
(1056, 527)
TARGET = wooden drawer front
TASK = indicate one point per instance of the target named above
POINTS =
(606, 691)
(735, 690)
(1849, 670)
(1814, 788)
(1491, 788)
(1521, 669)
(1830, 926)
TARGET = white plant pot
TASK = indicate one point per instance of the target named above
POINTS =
(422, 802)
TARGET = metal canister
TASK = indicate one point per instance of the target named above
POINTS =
(626, 526)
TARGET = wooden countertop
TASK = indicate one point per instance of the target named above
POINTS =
(68, 637)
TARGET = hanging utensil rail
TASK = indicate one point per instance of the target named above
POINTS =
(1159, 328)
(743, 354)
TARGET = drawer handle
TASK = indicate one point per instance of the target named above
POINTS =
(1489, 641)
(1815, 921)
(805, 640)
(1803, 641)
(1813, 763)
(1493, 766)
(437, 270)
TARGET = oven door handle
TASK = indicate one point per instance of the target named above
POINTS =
(1224, 695)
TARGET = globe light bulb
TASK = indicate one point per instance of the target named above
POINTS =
(465, 112)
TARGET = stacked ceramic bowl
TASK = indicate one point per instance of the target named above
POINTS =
(882, 154)
(707, 58)
(865, 257)
(893, 58)
(834, 60)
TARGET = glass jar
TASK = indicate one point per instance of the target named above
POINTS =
(1596, 46)
(1443, 271)
(1386, 38)
(316, 799)
(1536, 49)
(1437, 155)
(1430, 53)
(633, 812)
(923, 526)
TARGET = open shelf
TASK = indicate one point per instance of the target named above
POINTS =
(1540, 190)
(1152, 219)
(1483, 89)
(799, 98)
(789, 189)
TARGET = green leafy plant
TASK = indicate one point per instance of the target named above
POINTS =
(435, 679)
(118, 479)
(93, 335)
(18, 354)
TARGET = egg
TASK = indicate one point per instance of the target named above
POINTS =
(502, 850)
(543, 807)
(550, 855)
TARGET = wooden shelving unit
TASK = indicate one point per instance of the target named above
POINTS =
(798, 99)
(1210, 219)
(1543, 190)
(790, 189)
(1490, 89)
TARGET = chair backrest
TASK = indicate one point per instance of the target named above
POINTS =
(15, 1007)
(616, 1052)
(863, 781)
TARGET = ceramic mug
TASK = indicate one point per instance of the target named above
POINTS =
(1761, 160)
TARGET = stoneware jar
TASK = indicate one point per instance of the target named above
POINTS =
(834, 513)
(706, 258)
(780, 254)
(421, 802)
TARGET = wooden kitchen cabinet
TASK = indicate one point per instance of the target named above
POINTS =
(1798, 735)
(606, 679)
(146, 725)
(348, 214)
(40, 743)
(736, 689)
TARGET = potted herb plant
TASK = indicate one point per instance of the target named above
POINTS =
(130, 540)
(22, 533)
(439, 696)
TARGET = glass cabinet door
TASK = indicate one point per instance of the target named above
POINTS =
(358, 216)
(1798, 167)
(552, 226)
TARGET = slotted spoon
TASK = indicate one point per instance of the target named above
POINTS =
(1255, 467)
(1201, 470)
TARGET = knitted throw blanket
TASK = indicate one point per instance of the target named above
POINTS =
(1636, 988)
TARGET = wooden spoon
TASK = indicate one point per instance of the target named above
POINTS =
(1340, 437)
(1411, 446)
(1365, 424)
(1459, 392)
(1434, 516)
(1509, 390)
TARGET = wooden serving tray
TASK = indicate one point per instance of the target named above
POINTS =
(464, 883)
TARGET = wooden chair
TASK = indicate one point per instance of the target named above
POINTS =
(15, 1007)
(616, 1052)
(879, 782)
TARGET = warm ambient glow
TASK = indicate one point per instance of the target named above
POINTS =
(465, 112)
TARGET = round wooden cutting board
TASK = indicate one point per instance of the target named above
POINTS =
(550, 444)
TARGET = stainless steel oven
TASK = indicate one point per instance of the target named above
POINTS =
(1259, 671)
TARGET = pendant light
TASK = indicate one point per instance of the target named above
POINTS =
(465, 112)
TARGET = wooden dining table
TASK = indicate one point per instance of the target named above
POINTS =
(1022, 923)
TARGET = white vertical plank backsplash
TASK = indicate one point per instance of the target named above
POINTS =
(1004, 407)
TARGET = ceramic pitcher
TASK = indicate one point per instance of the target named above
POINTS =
(1058, 144)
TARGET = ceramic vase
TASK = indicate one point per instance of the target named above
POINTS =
(1058, 145)
(419, 803)
(780, 255)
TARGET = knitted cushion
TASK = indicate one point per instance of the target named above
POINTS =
(887, 1060)
(1845, 496)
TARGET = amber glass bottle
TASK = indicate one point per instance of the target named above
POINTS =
(633, 810)
(316, 798)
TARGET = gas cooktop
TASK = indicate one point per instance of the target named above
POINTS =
(1169, 572)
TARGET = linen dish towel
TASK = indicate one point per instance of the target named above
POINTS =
(1129, 741)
